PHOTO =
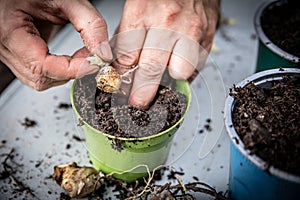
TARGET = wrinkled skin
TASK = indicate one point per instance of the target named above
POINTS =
(23, 44)
(152, 33)
(159, 33)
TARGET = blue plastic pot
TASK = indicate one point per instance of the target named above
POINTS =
(249, 177)
(269, 55)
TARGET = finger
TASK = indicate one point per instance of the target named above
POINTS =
(187, 57)
(81, 53)
(152, 64)
(65, 67)
(35, 81)
(91, 26)
(127, 47)
(212, 15)
(207, 40)
(39, 62)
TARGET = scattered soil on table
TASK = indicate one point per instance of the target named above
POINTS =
(148, 188)
(64, 105)
(173, 188)
(8, 170)
(102, 111)
(281, 25)
(207, 126)
(267, 120)
(29, 123)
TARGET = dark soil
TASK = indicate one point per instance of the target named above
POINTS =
(282, 25)
(64, 106)
(267, 121)
(8, 170)
(29, 123)
(102, 111)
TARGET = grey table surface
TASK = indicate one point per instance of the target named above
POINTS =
(54, 140)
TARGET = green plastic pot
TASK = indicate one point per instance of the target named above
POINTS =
(269, 55)
(151, 151)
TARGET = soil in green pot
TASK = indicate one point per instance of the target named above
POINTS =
(101, 110)
(282, 25)
(267, 121)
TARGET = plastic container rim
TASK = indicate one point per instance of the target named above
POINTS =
(257, 78)
(264, 39)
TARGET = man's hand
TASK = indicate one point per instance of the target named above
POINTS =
(155, 34)
(23, 46)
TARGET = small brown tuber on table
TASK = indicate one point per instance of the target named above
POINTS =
(77, 181)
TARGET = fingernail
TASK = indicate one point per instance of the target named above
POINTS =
(104, 51)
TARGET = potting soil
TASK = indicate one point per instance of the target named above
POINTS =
(282, 25)
(267, 121)
(103, 112)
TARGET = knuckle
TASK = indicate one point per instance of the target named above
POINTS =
(151, 71)
(179, 75)
(35, 67)
(210, 35)
(40, 80)
(207, 40)
(91, 32)
(197, 23)
(197, 26)
(98, 22)
(130, 19)
(127, 59)
(170, 10)
(5, 36)
(40, 84)
(38, 87)
(170, 7)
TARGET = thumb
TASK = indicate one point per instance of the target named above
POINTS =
(91, 26)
